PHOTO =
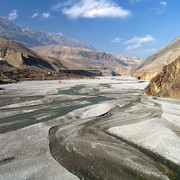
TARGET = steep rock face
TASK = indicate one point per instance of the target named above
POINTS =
(36, 38)
(81, 58)
(167, 82)
(17, 55)
(154, 64)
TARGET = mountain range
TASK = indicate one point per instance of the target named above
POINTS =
(31, 54)
(81, 58)
(70, 53)
(32, 38)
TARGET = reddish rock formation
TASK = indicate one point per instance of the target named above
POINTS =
(167, 82)
(81, 58)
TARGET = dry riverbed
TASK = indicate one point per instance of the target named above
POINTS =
(87, 129)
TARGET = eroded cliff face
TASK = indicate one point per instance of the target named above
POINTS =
(81, 58)
(19, 56)
(167, 82)
(154, 64)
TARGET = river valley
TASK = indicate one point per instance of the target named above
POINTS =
(102, 128)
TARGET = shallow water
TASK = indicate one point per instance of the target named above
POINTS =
(38, 109)
(82, 118)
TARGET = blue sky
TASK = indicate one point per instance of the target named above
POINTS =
(135, 28)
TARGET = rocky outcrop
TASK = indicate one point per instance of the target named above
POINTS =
(19, 56)
(17, 62)
(154, 64)
(167, 82)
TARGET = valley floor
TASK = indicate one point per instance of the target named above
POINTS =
(101, 128)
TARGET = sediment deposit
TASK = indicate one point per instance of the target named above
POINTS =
(101, 128)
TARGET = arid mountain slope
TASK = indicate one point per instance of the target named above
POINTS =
(17, 62)
(19, 56)
(81, 58)
(36, 38)
(75, 54)
(167, 82)
(154, 63)
(131, 62)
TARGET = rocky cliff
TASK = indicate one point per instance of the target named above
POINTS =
(154, 64)
(167, 82)
(81, 58)
(19, 56)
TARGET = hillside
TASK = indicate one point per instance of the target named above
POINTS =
(131, 62)
(167, 82)
(154, 64)
(81, 58)
(18, 62)
(19, 56)
(63, 53)
(32, 38)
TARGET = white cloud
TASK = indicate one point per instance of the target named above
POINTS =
(35, 15)
(137, 42)
(45, 15)
(134, 46)
(160, 8)
(57, 7)
(163, 3)
(140, 40)
(116, 40)
(13, 15)
(60, 6)
(93, 9)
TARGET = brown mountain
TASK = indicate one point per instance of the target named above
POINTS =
(19, 56)
(17, 62)
(154, 64)
(131, 62)
(67, 54)
(81, 58)
(167, 82)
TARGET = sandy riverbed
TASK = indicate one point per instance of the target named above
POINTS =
(89, 129)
